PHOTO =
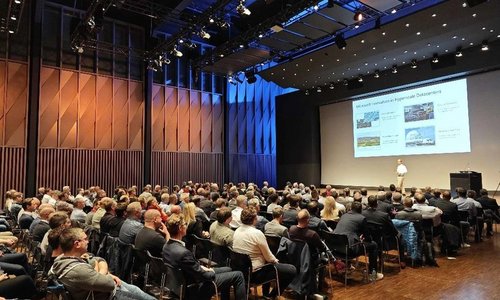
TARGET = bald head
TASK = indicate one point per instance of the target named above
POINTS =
(303, 217)
(150, 215)
(175, 209)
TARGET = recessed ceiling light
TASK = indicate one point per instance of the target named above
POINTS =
(355, 54)
(407, 24)
(464, 4)
(296, 65)
(395, 41)
(406, 51)
(474, 15)
(433, 15)
(385, 57)
(393, 11)
(284, 69)
(428, 44)
(294, 74)
(322, 65)
(444, 24)
(463, 39)
(362, 41)
(356, 26)
(374, 48)
(308, 70)
(491, 30)
(454, 37)
(383, 33)
(484, 28)
(272, 73)
(498, 36)
(418, 33)
(366, 64)
(338, 59)
(437, 46)
(471, 43)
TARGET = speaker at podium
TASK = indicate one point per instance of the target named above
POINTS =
(469, 180)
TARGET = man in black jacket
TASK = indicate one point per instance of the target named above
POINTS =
(490, 210)
(176, 254)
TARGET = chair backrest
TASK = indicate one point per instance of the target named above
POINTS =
(463, 215)
(241, 262)
(202, 248)
(265, 214)
(376, 232)
(273, 242)
(337, 243)
(175, 282)
(331, 224)
(157, 268)
(220, 254)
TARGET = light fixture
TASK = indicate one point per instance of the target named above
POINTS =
(17, 1)
(250, 75)
(413, 64)
(360, 78)
(318, 90)
(376, 74)
(242, 9)
(316, 7)
(340, 41)
(484, 46)
(459, 53)
(435, 58)
(358, 16)
(203, 34)
(231, 80)
(394, 69)
(176, 52)
(211, 20)
(307, 92)
(345, 82)
(332, 86)
(13, 18)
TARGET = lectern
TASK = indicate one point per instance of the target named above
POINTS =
(469, 180)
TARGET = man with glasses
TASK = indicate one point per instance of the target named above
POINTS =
(87, 277)
(176, 254)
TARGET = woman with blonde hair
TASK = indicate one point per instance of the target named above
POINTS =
(330, 211)
(195, 225)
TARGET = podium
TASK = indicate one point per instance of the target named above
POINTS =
(469, 180)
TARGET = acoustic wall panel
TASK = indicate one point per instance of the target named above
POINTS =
(206, 123)
(258, 116)
(12, 168)
(49, 107)
(194, 121)
(250, 118)
(85, 168)
(136, 115)
(232, 119)
(183, 121)
(15, 108)
(3, 92)
(120, 114)
(171, 119)
(68, 110)
(217, 123)
(87, 111)
(242, 117)
(104, 113)
(158, 118)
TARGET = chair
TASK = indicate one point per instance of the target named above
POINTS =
(376, 233)
(220, 255)
(141, 260)
(94, 237)
(158, 262)
(57, 289)
(121, 259)
(339, 247)
(331, 224)
(176, 282)
(241, 262)
(265, 214)
(273, 242)
(202, 250)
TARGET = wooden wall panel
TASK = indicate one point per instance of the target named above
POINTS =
(16, 104)
(3, 92)
(136, 115)
(120, 114)
(85, 168)
(206, 123)
(217, 123)
(183, 121)
(87, 111)
(171, 119)
(104, 112)
(12, 168)
(194, 121)
(158, 118)
(49, 107)
(68, 110)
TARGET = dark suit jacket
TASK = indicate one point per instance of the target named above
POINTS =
(384, 207)
(381, 219)
(39, 231)
(450, 210)
(353, 225)
(175, 254)
(488, 203)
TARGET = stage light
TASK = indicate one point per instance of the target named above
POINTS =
(413, 64)
(242, 9)
(358, 16)
(459, 53)
(307, 92)
(340, 41)
(332, 86)
(318, 90)
(435, 58)
(360, 78)
(345, 82)
(176, 52)
(376, 74)
(484, 46)
(394, 69)
(250, 75)
(203, 34)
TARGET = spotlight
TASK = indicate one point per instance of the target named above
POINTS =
(413, 64)
(231, 80)
(316, 7)
(360, 78)
(376, 74)
(330, 3)
(176, 52)
(164, 60)
(250, 75)
(91, 22)
(345, 82)
(458, 53)
(242, 10)
(17, 1)
(484, 46)
(394, 69)
(203, 34)
(332, 86)
(211, 20)
(340, 41)
(358, 16)
(435, 58)
(223, 24)
(318, 89)
(307, 92)
(377, 23)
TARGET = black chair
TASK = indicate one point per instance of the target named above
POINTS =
(220, 255)
(265, 214)
(273, 242)
(340, 248)
(176, 283)
(141, 262)
(331, 224)
(157, 262)
(202, 250)
(242, 262)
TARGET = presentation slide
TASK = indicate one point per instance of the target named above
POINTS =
(425, 120)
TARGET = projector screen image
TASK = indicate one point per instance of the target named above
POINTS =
(426, 120)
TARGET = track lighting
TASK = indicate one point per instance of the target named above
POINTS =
(318, 90)
(307, 92)
(176, 52)
(358, 16)
(376, 74)
(435, 58)
(242, 9)
(394, 69)
(360, 78)
(203, 34)
(413, 64)
(332, 86)
(459, 53)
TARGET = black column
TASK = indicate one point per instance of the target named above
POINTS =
(35, 62)
(148, 98)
